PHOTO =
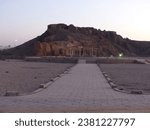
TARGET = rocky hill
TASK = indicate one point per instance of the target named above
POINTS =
(68, 40)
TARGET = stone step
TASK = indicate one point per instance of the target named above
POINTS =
(81, 61)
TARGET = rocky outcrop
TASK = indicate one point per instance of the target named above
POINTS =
(68, 40)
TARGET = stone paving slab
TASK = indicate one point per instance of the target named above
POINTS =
(83, 89)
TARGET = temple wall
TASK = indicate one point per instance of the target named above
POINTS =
(48, 49)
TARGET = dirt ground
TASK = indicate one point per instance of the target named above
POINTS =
(129, 76)
(26, 77)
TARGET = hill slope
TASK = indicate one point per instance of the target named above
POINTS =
(61, 39)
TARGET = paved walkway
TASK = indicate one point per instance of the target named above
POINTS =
(83, 89)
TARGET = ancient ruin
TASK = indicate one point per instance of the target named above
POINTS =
(63, 40)
(53, 49)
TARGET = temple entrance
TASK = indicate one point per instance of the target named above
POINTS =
(60, 52)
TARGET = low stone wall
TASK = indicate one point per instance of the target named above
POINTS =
(52, 59)
(89, 60)
(116, 61)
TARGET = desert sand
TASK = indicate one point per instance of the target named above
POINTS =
(25, 77)
(129, 76)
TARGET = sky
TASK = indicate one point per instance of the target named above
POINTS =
(23, 20)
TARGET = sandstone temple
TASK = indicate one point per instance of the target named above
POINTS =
(71, 50)
(71, 41)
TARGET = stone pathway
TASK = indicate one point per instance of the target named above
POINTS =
(82, 89)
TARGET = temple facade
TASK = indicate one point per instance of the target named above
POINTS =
(71, 50)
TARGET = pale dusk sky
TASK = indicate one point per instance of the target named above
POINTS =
(23, 20)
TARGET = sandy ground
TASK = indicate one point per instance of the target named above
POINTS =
(26, 77)
(129, 76)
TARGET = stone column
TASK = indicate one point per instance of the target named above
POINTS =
(80, 51)
(70, 52)
(92, 51)
(83, 51)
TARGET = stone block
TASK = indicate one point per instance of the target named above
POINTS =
(42, 86)
(11, 93)
(136, 92)
(113, 85)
